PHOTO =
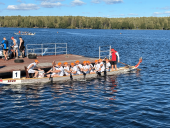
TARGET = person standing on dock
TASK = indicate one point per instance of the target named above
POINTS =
(21, 47)
(31, 67)
(15, 47)
(5, 48)
(115, 58)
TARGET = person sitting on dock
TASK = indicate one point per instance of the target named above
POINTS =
(108, 65)
(15, 47)
(66, 69)
(85, 68)
(90, 67)
(73, 69)
(31, 67)
(101, 65)
(115, 58)
(79, 67)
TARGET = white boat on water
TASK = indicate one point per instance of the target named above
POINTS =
(24, 34)
(25, 80)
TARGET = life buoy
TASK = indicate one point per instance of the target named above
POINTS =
(18, 60)
(32, 56)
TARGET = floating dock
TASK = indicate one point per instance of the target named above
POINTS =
(7, 67)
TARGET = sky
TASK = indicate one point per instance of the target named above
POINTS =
(88, 8)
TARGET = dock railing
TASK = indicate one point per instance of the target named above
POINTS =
(47, 49)
(104, 51)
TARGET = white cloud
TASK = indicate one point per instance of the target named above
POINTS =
(2, 3)
(19, 1)
(77, 3)
(165, 8)
(132, 14)
(161, 13)
(113, 1)
(23, 7)
(167, 12)
(52, 1)
(157, 13)
(96, 1)
(51, 5)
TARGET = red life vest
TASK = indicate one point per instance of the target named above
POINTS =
(114, 57)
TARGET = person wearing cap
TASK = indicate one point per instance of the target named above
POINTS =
(90, 67)
(31, 67)
(21, 47)
(66, 69)
(115, 58)
(51, 70)
(59, 70)
(15, 47)
(96, 67)
(108, 65)
(73, 69)
(85, 68)
(5, 48)
(101, 65)
(79, 67)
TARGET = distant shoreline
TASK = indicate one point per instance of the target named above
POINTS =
(80, 22)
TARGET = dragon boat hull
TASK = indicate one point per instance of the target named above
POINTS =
(24, 80)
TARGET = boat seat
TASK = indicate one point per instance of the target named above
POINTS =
(28, 74)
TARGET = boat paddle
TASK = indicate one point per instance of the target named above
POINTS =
(129, 66)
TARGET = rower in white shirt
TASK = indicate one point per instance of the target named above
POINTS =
(66, 69)
(90, 67)
(73, 69)
(85, 68)
(108, 65)
(79, 67)
(101, 65)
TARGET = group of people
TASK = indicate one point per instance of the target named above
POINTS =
(14, 47)
(76, 68)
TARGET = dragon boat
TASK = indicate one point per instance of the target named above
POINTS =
(25, 34)
(24, 80)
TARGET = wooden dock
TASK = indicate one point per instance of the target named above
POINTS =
(7, 67)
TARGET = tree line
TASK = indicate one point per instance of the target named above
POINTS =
(80, 22)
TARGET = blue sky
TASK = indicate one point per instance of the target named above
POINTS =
(89, 8)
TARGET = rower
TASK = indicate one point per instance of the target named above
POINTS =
(90, 67)
(79, 67)
(66, 69)
(101, 65)
(31, 67)
(108, 65)
(85, 68)
(73, 69)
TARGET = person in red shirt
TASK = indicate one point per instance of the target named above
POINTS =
(115, 58)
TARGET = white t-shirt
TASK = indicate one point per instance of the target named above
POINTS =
(16, 45)
(108, 65)
(90, 66)
(85, 68)
(79, 66)
(103, 67)
(97, 67)
(61, 73)
(31, 69)
(74, 69)
(65, 72)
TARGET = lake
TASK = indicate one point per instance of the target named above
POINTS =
(137, 99)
